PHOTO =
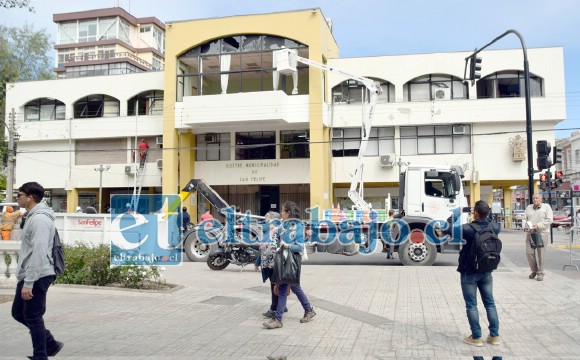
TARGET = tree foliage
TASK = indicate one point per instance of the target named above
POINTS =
(9, 4)
(24, 55)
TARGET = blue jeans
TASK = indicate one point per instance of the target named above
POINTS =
(470, 282)
(30, 312)
(296, 289)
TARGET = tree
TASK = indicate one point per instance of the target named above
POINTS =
(24, 55)
(9, 4)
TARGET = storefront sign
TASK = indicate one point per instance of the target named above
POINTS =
(78, 223)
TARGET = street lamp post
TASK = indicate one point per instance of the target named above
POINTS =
(528, 105)
(401, 163)
(100, 169)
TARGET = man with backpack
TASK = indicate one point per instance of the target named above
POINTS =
(35, 271)
(478, 257)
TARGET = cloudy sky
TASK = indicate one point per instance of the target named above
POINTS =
(381, 27)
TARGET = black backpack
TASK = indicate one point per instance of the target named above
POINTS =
(485, 249)
(58, 255)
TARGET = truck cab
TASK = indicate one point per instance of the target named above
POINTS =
(428, 193)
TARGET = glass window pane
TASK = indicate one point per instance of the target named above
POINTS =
(410, 131)
(372, 148)
(231, 44)
(426, 146)
(210, 64)
(351, 133)
(408, 146)
(443, 130)
(273, 42)
(210, 48)
(420, 92)
(210, 84)
(461, 144)
(252, 43)
(213, 152)
(234, 82)
(426, 130)
(444, 145)
(386, 132)
(251, 81)
(386, 146)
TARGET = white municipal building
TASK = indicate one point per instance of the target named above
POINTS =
(207, 98)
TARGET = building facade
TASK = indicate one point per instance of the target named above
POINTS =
(107, 97)
(260, 137)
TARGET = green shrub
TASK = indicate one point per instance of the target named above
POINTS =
(87, 265)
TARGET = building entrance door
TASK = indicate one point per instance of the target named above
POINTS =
(269, 199)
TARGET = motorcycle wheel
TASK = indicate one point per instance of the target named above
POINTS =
(217, 262)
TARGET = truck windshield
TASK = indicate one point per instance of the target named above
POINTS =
(439, 184)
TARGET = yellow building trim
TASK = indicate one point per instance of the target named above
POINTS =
(308, 27)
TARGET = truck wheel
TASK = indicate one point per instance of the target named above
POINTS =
(417, 254)
(194, 248)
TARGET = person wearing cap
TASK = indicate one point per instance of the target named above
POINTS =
(8, 218)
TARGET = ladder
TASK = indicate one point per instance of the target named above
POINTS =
(138, 183)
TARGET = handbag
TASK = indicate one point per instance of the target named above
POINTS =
(287, 268)
(536, 240)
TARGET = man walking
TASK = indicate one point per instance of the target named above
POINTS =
(540, 216)
(35, 270)
(471, 280)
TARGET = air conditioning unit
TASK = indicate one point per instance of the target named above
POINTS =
(160, 163)
(387, 160)
(459, 129)
(337, 133)
(211, 138)
(159, 140)
(130, 169)
(440, 93)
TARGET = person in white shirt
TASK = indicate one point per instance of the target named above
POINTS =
(540, 217)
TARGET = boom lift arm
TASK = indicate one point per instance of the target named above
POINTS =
(286, 64)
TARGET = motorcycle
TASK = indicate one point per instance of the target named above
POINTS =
(232, 253)
(224, 253)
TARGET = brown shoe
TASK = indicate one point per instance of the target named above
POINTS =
(474, 342)
(494, 340)
(532, 275)
(272, 324)
(308, 316)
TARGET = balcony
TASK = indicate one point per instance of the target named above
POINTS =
(257, 109)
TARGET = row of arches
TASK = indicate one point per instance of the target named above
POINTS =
(148, 102)
(502, 84)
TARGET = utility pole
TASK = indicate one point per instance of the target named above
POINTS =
(100, 169)
(11, 160)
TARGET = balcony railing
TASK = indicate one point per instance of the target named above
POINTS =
(105, 56)
(8, 249)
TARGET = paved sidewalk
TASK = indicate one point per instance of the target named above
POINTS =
(363, 312)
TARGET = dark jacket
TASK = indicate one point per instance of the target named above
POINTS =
(468, 234)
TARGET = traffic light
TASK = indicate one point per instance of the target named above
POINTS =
(475, 67)
(558, 178)
(557, 155)
(544, 182)
(543, 150)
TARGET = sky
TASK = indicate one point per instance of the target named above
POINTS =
(381, 27)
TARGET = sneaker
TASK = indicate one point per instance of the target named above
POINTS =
(494, 340)
(273, 324)
(52, 351)
(308, 316)
(532, 275)
(269, 314)
(474, 342)
(540, 277)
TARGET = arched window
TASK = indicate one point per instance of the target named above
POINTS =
(234, 64)
(352, 92)
(509, 83)
(42, 109)
(97, 105)
(149, 103)
(435, 87)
